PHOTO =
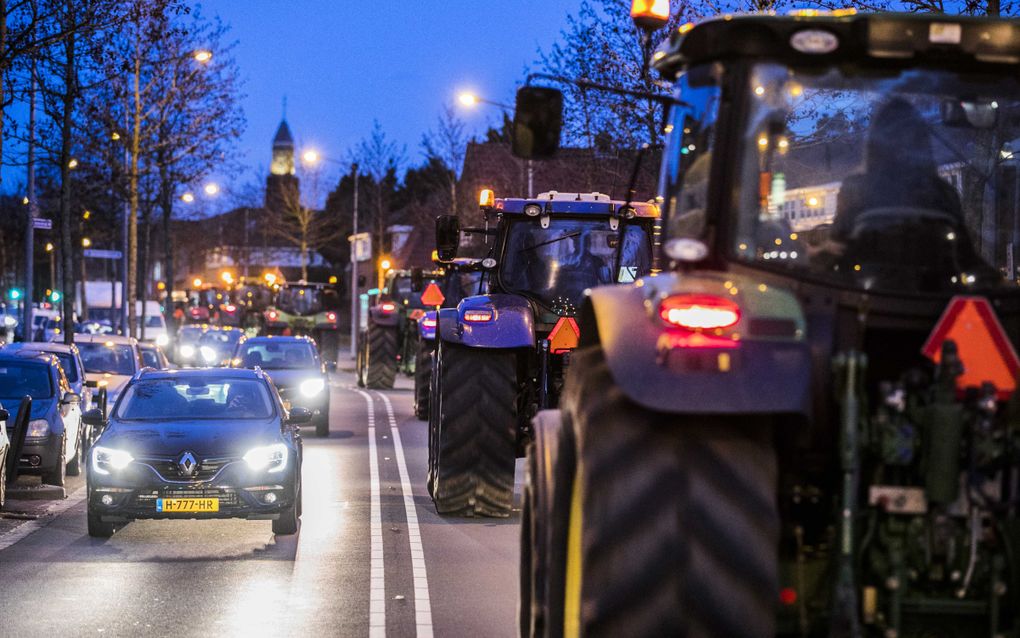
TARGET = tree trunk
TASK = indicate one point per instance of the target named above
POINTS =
(3, 73)
(166, 203)
(304, 257)
(144, 266)
(66, 132)
(133, 188)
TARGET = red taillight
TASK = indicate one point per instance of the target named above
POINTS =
(331, 316)
(272, 315)
(699, 312)
(387, 307)
(428, 323)
(477, 316)
(230, 307)
(788, 596)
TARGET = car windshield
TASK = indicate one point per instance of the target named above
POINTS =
(278, 355)
(217, 338)
(189, 335)
(906, 182)
(555, 265)
(300, 300)
(195, 398)
(110, 358)
(20, 379)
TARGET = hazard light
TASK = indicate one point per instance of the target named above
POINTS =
(478, 316)
(486, 198)
(699, 312)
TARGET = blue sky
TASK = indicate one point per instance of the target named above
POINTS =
(344, 63)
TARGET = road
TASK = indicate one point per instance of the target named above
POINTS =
(372, 556)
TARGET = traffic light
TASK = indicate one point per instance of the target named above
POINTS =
(55, 296)
(14, 294)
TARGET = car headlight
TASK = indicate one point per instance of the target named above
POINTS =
(187, 351)
(208, 354)
(104, 459)
(272, 458)
(38, 428)
(10, 321)
(162, 340)
(312, 387)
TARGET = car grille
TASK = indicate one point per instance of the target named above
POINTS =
(169, 470)
(147, 500)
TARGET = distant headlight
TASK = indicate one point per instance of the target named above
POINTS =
(162, 340)
(208, 354)
(272, 458)
(10, 321)
(187, 351)
(104, 459)
(312, 387)
(38, 428)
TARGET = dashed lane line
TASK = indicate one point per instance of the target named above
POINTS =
(422, 604)
(377, 570)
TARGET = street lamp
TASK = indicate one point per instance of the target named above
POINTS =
(471, 100)
(196, 282)
(212, 188)
(188, 198)
(311, 157)
(86, 242)
(202, 56)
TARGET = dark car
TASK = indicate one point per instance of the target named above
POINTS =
(55, 442)
(197, 444)
(217, 345)
(153, 356)
(296, 369)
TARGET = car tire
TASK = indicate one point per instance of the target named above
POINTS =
(97, 528)
(422, 379)
(475, 442)
(359, 366)
(673, 525)
(57, 475)
(3, 481)
(74, 467)
(287, 524)
(380, 357)
(322, 423)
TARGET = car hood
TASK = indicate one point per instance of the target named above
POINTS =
(40, 407)
(205, 438)
(293, 378)
(114, 383)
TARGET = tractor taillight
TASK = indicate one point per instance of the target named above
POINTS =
(230, 307)
(387, 307)
(331, 317)
(272, 314)
(699, 312)
(477, 316)
(428, 322)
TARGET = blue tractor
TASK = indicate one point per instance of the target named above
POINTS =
(500, 357)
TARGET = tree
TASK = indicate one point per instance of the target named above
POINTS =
(300, 224)
(379, 159)
(447, 144)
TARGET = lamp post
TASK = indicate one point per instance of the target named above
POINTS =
(471, 100)
(354, 270)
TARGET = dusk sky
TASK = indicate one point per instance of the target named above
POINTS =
(343, 63)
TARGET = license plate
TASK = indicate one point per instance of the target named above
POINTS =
(173, 505)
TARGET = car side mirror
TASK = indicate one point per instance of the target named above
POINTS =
(70, 398)
(538, 119)
(447, 237)
(299, 416)
(4, 415)
(94, 417)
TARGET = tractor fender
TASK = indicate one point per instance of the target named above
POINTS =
(766, 370)
(380, 318)
(428, 333)
(512, 324)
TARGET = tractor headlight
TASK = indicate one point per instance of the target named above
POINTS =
(38, 428)
(162, 340)
(187, 351)
(208, 354)
(272, 458)
(312, 387)
(105, 459)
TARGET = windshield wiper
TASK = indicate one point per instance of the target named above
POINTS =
(551, 241)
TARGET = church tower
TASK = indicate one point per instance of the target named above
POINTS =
(282, 188)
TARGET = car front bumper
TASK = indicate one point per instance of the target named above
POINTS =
(39, 455)
(134, 492)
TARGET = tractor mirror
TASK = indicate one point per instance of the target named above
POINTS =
(417, 280)
(538, 119)
(447, 237)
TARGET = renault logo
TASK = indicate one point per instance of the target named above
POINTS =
(187, 464)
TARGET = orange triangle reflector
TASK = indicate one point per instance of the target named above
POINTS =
(984, 348)
(432, 296)
(564, 336)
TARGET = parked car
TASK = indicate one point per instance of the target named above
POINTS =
(55, 440)
(297, 370)
(234, 452)
(110, 361)
(153, 356)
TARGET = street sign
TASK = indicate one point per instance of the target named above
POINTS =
(432, 296)
(95, 253)
(983, 346)
(361, 247)
(42, 223)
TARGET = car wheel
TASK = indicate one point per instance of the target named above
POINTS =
(74, 467)
(97, 528)
(57, 475)
(3, 481)
(287, 524)
(322, 423)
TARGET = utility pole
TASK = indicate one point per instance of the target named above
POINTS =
(354, 270)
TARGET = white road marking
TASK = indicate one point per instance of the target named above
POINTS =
(422, 605)
(377, 570)
(47, 517)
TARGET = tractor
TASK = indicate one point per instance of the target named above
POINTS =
(501, 356)
(458, 279)
(808, 424)
(306, 309)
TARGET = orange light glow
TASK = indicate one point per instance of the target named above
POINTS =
(650, 14)
(477, 316)
(486, 198)
(699, 312)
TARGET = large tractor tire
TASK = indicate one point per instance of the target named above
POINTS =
(329, 345)
(474, 449)
(673, 520)
(422, 379)
(359, 366)
(380, 357)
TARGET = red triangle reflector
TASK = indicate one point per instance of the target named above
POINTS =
(564, 336)
(432, 296)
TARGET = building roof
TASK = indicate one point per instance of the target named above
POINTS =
(283, 137)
